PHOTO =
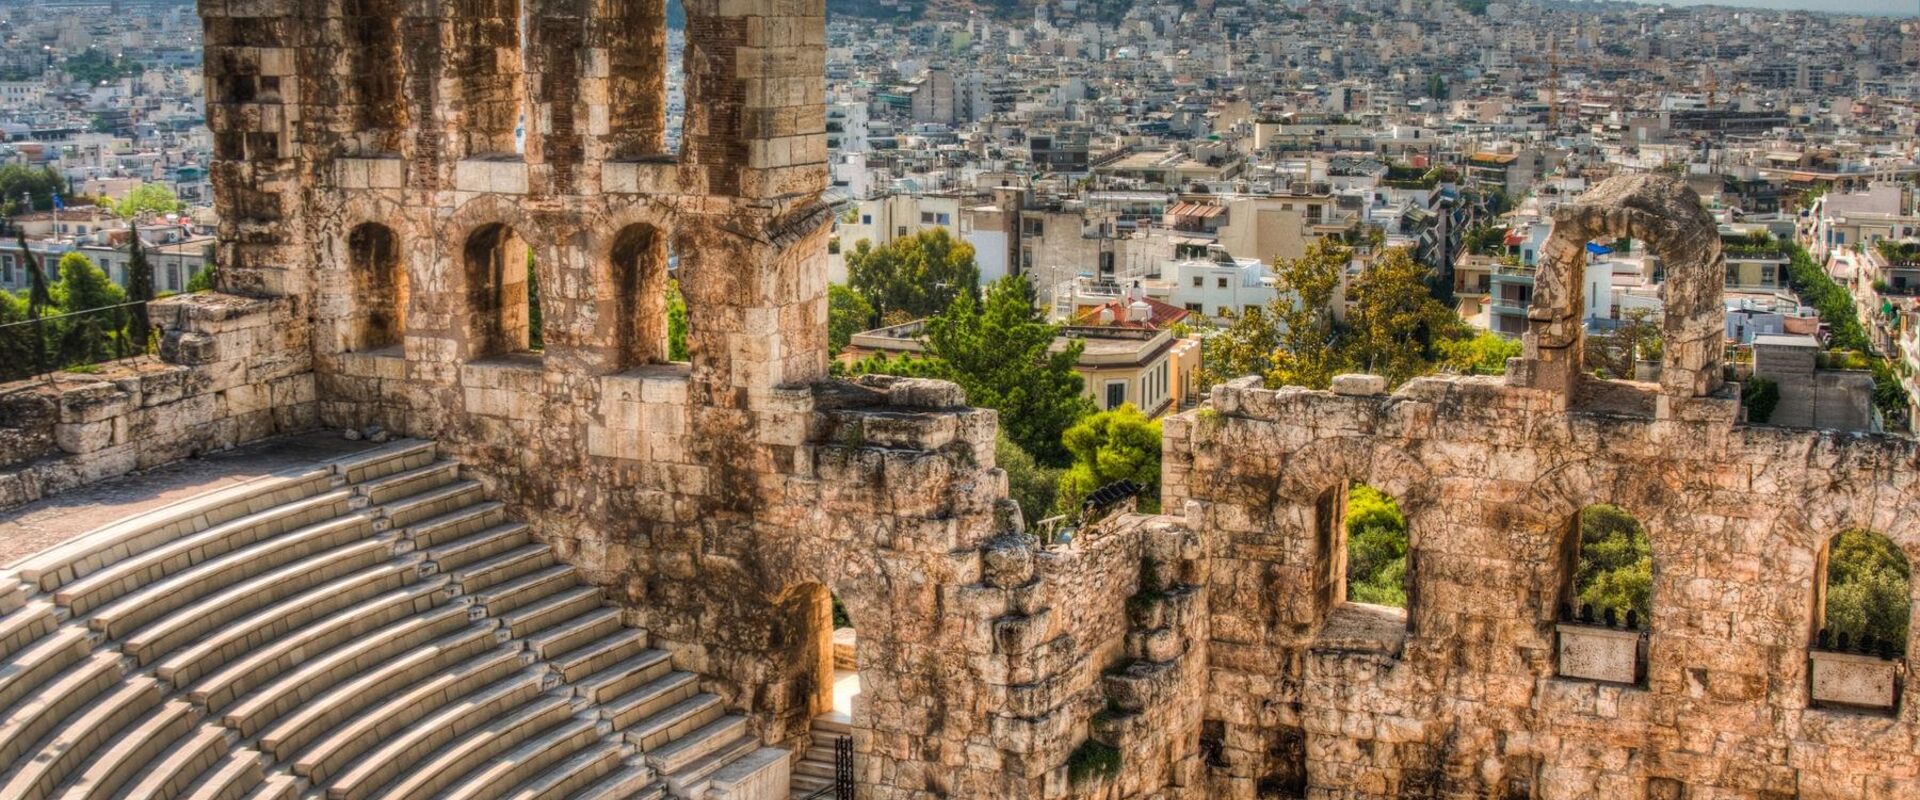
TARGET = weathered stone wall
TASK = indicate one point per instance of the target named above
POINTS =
(231, 370)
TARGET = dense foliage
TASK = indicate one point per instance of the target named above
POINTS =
(1615, 569)
(1485, 353)
(24, 188)
(1867, 589)
(1376, 548)
(149, 198)
(1113, 445)
(75, 318)
(848, 313)
(918, 276)
(1760, 396)
(1031, 485)
(93, 66)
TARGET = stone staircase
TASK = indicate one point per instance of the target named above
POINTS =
(370, 628)
(814, 771)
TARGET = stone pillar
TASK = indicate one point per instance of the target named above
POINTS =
(253, 107)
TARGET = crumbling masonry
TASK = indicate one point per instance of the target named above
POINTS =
(384, 168)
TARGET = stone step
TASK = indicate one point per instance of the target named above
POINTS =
(276, 787)
(223, 607)
(79, 558)
(47, 659)
(676, 755)
(624, 677)
(398, 754)
(526, 761)
(565, 779)
(129, 755)
(181, 765)
(227, 685)
(347, 700)
(638, 712)
(43, 710)
(588, 643)
(727, 746)
(495, 570)
(762, 772)
(552, 610)
(393, 457)
(138, 571)
(314, 675)
(444, 535)
(150, 602)
(805, 785)
(492, 680)
(527, 589)
(600, 655)
(377, 586)
(499, 735)
(438, 502)
(632, 781)
(21, 628)
(815, 768)
(60, 754)
(384, 490)
(231, 779)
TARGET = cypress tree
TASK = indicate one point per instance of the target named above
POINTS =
(139, 291)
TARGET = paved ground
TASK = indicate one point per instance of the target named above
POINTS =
(37, 526)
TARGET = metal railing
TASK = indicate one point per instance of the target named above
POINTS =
(842, 786)
(71, 341)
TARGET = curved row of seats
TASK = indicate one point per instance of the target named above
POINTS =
(372, 628)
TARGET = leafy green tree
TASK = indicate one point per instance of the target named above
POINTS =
(1760, 396)
(1245, 347)
(19, 341)
(24, 188)
(203, 279)
(1396, 319)
(1485, 353)
(1113, 445)
(1615, 568)
(1867, 589)
(148, 198)
(676, 323)
(920, 275)
(93, 66)
(139, 291)
(1310, 352)
(1376, 548)
(906, 365)
(88, 338)
(848, 313)
(1029, 484)
(1000, 350)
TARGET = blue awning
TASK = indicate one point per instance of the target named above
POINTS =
(1598, 249)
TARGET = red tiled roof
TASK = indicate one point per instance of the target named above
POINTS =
(1164, 315)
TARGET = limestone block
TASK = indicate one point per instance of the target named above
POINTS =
(86, 437)
(491, 176)
(1599, 653)
(1358, 385)
(1849, 679)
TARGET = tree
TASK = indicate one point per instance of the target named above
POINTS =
(24, 188)
(1029, 484)
(1615, 569)
(676, 323)
(1636, 338)
(19, 341)
(536, 336)
(204, 278)
(1760, 396)
(1000, 350)
(1376, 548)
(1310, 352)
(1245, 347)
(848, 313)
(148, 198)
(92, 331)
(1113, 445)
(1485, 353)
(139, 291)
(1867, 594)
(920, 275)
(1396, 319)
(40, 301)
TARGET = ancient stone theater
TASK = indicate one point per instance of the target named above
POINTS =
(584, 570)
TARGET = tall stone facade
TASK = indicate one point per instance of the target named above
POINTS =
(385, 169)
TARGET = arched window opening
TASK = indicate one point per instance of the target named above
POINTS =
(1376, 548)
(1605, 598)
(503, 295)
(1862, 607)
(379, 287)
(817, 680)
(642, 295)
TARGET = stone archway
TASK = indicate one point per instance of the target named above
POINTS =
(1667, 215)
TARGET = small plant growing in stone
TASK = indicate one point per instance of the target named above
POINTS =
(1092, 760)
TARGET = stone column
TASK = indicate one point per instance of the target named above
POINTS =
(253, 107)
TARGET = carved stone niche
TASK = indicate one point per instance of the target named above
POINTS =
(1599, 653)
(1851, 680)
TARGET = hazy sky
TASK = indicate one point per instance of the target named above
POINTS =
(1904, 8)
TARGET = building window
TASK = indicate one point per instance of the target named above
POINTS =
(1766, 274)
(900, 232)
(1221, 282)
(943, 219)
(1199, 281)
(1116, 394)
(926, 218)
(1194, 308)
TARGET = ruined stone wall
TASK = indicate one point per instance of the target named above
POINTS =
(231, 370)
